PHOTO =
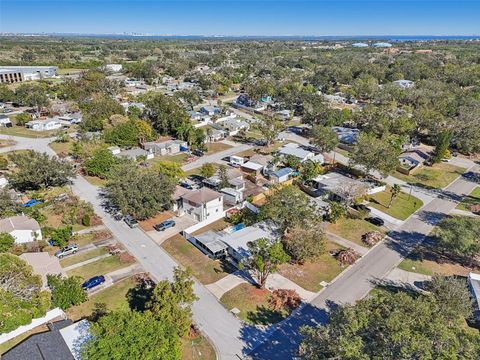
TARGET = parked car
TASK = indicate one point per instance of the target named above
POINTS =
(361, 207)
(94, 281)
(7, 110)
(67, 250)
(375, 221)
(131, 221)
(31, 203)
(198, 153)
(118, 216)
(164, 225)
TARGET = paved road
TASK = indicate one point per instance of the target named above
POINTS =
(216, 156)
(358, 280)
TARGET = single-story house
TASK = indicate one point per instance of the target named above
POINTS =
(113, 67)
(22, 228)
(43, 264)
(44, 125)
(281, 175)
(216, 135)
(209, 110)
(233, 126)
(5, 121)
(168, 147)
(413, 158)
(74, 118)
(225, 118)
(336, 186)
(474, 283)
(63, 341)
(234, 176)
(237, 241)
(203, 204)
(347, 136)
(252, 167)
(297, 151)
(195, 115)
(211, 244)
(135, 153)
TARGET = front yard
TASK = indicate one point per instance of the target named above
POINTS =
(24, 132)
(437, 176)
(216, 147)
(100, 267)
(252, 303)
(472, 199)
(352, 229)
(311, 274)
(402, 206)
(206, 270)
(83, 256)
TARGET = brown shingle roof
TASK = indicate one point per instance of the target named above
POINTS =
(202, 196)
(20, 222)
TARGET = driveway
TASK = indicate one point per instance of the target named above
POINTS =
(216, 156)
(181, 223)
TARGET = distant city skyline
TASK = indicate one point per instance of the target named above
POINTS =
(242, 18)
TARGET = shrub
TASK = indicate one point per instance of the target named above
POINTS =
(86, 220)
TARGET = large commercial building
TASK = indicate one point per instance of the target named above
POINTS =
(12, 74)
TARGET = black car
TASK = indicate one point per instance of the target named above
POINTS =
(375, 221)
(198, 153)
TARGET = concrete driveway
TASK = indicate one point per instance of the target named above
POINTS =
(181, 223)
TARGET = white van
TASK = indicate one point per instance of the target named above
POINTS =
(236, 160)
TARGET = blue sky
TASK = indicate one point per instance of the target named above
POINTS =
(247, 17)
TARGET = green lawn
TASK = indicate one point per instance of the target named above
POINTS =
(472, 199)
(95, 180)
(24, 132)
(83, 256)
(177, 158)
(252, 303)
(352, 229)
(437, 176)
(61, 147)
(416, 266)
(99, 267)
(216, 147)
(113, 296)
(402, 206)
(197, 349)
(310, 274)
(206, 270)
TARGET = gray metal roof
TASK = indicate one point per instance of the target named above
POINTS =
(212, 241)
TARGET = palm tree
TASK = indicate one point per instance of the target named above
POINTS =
(394, 191)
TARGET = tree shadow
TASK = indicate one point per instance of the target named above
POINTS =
(265, 316)
(430, 217)
(139, 296)
(282, 341)
(398, 286)
(404, 242)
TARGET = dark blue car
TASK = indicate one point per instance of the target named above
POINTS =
(31, 203)
(94, 281)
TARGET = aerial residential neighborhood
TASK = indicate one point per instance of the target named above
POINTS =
(239, 196)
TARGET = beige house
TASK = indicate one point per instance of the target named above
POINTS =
(22, 228)
(43, 264)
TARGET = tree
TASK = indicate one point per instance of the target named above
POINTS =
(22, 118)
(32, 94)
(270, 127)
(172, 301)
(310, 169)
(304, 242)
(441, 147)
(100, 164)
(61, 236)
(289, 207)
(21, 295)
(459, 236)
(171, 169)
(350, 191)
(207, 170)
(66, 292)
(37, 171)
(391, 326)
(6, 242)
(8, 205)
(284, 299)
(124, 134)
(395, 190)
(266, 256)
(324, 138)
(336, 211)
(98, 110)
(222, 172)
(377, 154)
(132, 335)
(141, 193)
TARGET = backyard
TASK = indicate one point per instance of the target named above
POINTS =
(252, 303)
(352, 229)
(437, 176)
(206, 270)
(402, 206)
(310, 274)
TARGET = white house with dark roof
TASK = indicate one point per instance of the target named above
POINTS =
(203, 204)
(22, 228)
